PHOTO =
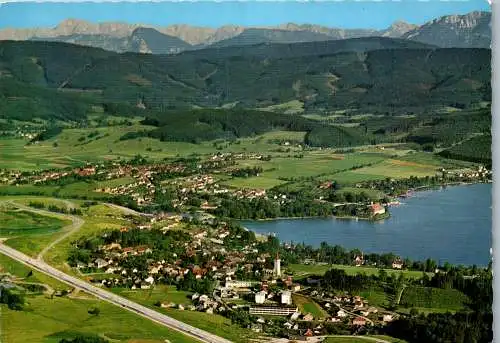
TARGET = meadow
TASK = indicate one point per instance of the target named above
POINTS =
(49, 320)
(213, 323)
(19, 223)
(303, 270)
(431, 299)
(307, 305)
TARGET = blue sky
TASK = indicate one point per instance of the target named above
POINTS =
(345, 14)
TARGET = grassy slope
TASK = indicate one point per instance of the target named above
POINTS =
(48, 320)
(304, 270)
(14, 223)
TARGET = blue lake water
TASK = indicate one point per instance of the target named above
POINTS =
(449, 224)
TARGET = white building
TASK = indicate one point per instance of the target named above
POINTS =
(240, 284)
(277, 266)
(260, 297)
(286, 297)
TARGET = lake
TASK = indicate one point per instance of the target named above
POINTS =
(449, 224)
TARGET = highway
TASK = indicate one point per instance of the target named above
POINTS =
(148, 313)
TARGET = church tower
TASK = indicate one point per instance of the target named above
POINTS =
(277, 265)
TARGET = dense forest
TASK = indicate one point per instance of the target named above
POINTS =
(397, 79)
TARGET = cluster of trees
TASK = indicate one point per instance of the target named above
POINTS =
(476, 149)
(190, 283)
(246, 172)
(461, 327)
(14, 300)
(335, 254)
(260, 208)
(54, 208)
(350, 197)
(84, 338)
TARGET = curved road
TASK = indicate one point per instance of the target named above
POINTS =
(148, 313)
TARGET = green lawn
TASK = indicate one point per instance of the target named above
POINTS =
(10, 266)
(307, 305)
(307, 269)
(48, 320)
(433, 298)
(15, 223)
(160, 293)
(213, 323)
(376, 297)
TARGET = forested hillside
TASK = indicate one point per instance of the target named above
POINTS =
(392, 80)
(351, 92)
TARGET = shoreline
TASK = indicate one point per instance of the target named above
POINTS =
(401, 196)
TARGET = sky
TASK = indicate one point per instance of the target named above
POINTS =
(343, 14)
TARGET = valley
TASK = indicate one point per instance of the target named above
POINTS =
(246, 183)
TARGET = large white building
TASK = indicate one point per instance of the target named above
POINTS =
(277, 265)
(260, 297)
(273, 310)
(240, 283)
(286, 297)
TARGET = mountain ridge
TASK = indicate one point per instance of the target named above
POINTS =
(468, 30)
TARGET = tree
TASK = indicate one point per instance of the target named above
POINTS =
(94, 311)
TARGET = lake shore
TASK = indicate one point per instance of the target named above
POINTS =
(383, 217)
(415, 230)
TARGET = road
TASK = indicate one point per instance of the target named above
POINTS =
(127, 210)
(143, 311)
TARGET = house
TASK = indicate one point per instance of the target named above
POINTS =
(377, 209)
(341, 314)
(358, 260)
(359, 321)
(358, 304)
(335, 319)
(286, 297)
(387, 318)
(308, 333)
(100, 263)
(295, 316)
(308, 317)
(260, 297)
(150, 280)
(397, 264)
(256, 327)
(288, 325)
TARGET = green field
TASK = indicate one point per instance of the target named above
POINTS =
(430, 299)
(21, 271)
(165, 294)
(376, 297)
(302, 270)
(213, 323)
(307, 305)
(49, 320)
(18, 223)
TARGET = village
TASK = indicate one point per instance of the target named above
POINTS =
(243, 278)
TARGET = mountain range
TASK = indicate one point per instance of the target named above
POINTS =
(471, 30)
